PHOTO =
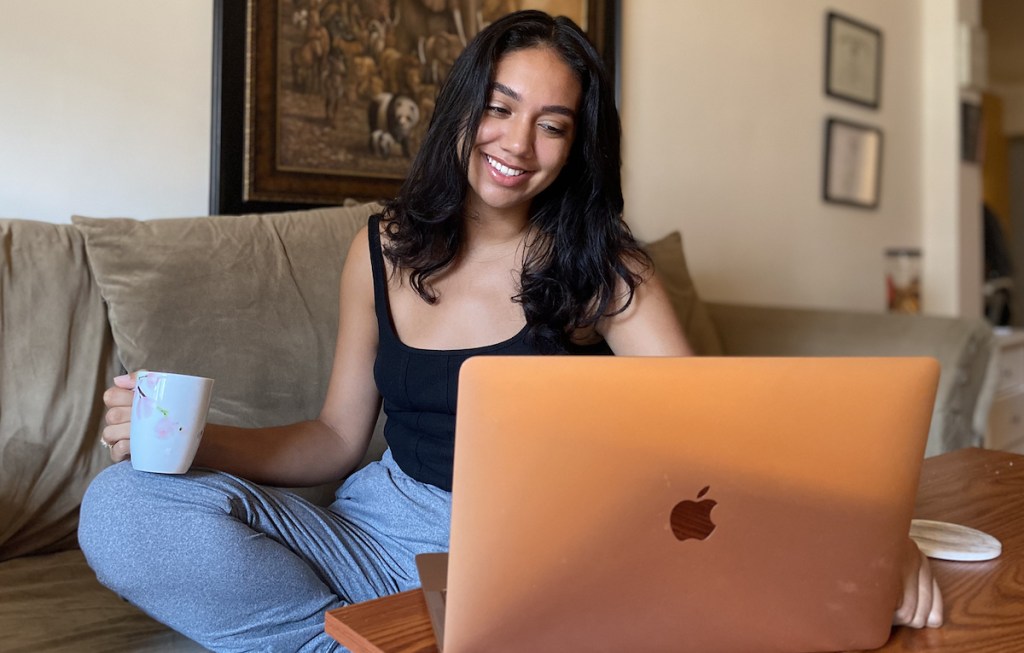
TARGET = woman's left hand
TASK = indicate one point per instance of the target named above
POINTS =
(921, 604)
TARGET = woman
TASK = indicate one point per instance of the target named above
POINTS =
(505, 238)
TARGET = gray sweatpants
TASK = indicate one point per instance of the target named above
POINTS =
(241, 567)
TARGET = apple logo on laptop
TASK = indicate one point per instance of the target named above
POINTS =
(692, 519)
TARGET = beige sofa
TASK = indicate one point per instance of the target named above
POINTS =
(251, 301)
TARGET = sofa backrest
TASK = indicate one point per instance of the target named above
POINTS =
(55, 353)
(961, 345)
(250, 301)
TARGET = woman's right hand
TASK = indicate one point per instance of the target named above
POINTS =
(118, 399)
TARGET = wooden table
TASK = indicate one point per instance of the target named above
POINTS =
(984, 600)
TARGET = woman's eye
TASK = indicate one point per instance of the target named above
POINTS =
(553, 130)
(497, 110)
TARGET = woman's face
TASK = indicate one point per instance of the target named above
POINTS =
(525, 134)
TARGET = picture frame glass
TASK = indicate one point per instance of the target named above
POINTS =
(853, 164)
(853, 61)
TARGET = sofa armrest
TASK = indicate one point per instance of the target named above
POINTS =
(962, 346)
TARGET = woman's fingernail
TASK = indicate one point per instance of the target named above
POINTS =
(123, 378)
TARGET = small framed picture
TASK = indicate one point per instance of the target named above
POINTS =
(853, 60)
(853, 163)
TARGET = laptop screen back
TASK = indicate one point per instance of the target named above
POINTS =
(657, 504)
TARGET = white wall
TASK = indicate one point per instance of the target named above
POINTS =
(106, 111)
(952, 191)
(723, 114)
(105, 108)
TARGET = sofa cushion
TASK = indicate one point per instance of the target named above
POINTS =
(54, 603)
(249, 301)
(670, 264)
(54, 349)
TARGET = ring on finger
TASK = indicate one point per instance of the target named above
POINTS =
(105, 444)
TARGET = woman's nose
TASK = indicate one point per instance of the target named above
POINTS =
(517, 137)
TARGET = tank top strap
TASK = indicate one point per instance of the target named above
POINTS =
(380, 280)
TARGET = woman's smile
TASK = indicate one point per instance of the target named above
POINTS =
(504, 173)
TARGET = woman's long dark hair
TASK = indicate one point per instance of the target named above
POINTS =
(581, 246)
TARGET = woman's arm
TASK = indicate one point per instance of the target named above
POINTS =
(307, 453)
(648, 326)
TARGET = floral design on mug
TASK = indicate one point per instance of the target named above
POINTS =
(148, 384)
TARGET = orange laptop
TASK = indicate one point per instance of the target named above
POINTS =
(680, 504)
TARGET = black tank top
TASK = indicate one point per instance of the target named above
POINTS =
(419, 386)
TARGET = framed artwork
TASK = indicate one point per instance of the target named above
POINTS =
(853, 163)
(320, 101)
(853, 60)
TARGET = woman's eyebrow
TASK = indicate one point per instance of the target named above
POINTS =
(550, 108)
(505, 90)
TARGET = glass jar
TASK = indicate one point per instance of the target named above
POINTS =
(903, 279)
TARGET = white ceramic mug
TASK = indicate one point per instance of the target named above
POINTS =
(168, 417)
